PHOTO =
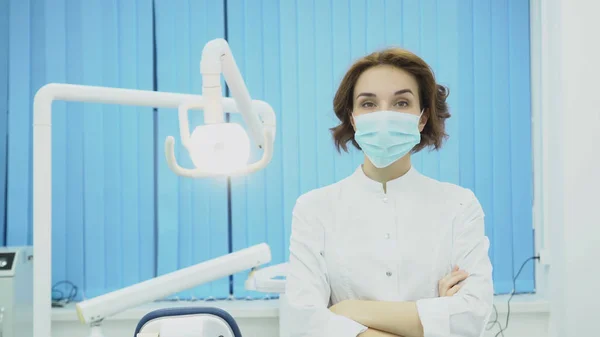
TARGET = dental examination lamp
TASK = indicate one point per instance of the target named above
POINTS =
(216, 148)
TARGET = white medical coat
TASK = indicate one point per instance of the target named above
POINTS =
(350, 240)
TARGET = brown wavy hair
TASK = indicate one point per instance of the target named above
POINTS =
(432, 97)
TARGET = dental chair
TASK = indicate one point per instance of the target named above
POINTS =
(188, 322)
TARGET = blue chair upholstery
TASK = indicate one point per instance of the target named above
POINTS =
(170, 312)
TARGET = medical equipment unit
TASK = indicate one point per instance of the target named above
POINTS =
(16, 277)
(216, 148)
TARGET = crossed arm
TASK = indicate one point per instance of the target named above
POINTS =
(382, 318)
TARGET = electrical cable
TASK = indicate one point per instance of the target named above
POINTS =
(60, 300)
(495, 322)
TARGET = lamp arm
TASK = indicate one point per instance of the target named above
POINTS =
(98, 308)
(216, 59)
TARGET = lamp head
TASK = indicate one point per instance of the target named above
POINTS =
(219, 148)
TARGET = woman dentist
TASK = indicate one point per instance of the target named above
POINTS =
(388, 251)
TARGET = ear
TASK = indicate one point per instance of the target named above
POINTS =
(423, 120)
(352, 121)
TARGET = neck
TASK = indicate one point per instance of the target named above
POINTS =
(385, 174)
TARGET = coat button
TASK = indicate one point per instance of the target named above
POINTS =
(387, 235)
(389, 273)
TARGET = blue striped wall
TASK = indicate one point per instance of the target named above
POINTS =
(520, 151)
(257, 201)
(103, 169)
(3, 113)
(192, 213)
(112, 229)
(293, 55)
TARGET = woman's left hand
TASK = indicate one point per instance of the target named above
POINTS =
(450, 284)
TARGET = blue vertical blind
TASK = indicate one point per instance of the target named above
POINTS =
(103, 155)
(192, 213)
(109, 161)
(3, 113)
(256, 202)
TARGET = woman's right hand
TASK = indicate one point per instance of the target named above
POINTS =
(450, 284)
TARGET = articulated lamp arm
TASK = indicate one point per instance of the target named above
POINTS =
(94, 310)
(216, 59)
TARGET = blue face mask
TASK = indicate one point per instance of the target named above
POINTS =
(386, 136)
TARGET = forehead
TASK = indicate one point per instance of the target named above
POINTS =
(385, 80)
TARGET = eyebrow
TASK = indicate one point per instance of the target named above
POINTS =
(399, 92)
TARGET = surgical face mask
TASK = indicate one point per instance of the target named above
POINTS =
(386, 136)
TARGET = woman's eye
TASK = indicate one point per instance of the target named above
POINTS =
(402, 104)
(367, 105)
